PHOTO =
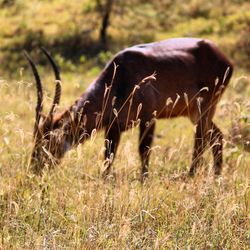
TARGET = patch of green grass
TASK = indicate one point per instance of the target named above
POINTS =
(71, 29)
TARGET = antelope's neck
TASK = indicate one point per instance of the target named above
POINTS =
(87, 113)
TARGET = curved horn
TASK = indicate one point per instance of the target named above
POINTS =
(39, 88)
(57, 95)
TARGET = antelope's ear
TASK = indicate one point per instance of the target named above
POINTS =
(57, 123)
(58, 120)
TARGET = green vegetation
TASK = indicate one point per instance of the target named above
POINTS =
(71, 206)
(71, 29)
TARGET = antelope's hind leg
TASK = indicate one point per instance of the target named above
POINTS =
(145, 141)
(207, 133)
(216, 145)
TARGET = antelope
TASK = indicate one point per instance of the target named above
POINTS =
(143, 83)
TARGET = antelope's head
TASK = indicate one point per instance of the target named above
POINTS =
(50, 136)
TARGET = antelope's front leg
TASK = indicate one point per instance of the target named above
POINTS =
(112, 139)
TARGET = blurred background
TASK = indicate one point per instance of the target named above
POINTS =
(83, 35)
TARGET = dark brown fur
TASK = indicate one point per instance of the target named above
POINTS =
(182, 77)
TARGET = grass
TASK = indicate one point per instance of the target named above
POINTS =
(72, 207)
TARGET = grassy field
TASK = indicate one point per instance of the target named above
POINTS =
(71, 207)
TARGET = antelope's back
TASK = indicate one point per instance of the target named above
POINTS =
(176, 55)
(183, 66)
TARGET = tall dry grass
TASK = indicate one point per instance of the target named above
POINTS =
(72, 207)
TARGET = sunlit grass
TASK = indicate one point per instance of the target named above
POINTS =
(72, 207)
